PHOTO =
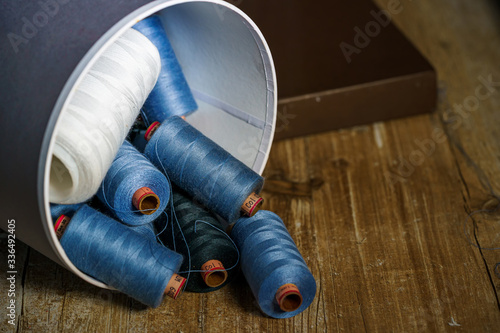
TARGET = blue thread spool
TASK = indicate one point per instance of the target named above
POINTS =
(110, 252)
(273, 266)
(146, 230)
(203, 169)
(58, 210)
(171, 94)
(133, 189)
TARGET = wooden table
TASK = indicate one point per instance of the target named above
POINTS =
(380, 213)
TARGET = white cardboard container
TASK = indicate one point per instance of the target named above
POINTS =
(229, 68)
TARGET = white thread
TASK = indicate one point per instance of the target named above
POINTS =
(99, 116)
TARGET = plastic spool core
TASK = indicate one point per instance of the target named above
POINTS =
(252, 204)
(214, 274)
(174, 286)
(289, 298)
(151, 130)
(146, 201)
(60, 225)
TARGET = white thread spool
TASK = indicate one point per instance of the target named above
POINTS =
(99, 116)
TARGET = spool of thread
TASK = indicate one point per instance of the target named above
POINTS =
(171, 94)
(112, 253)
(99, 115)
(203, 169)
(273, 266)
(134, 189)
(58, 210)
(146, 230)
(211, 250)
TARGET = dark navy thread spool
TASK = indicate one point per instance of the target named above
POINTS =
(203, 169)
(273, 266)
(134, 189)
(171, 95)
(211, 250)
(110, 252)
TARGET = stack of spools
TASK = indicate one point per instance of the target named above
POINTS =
(138, 194)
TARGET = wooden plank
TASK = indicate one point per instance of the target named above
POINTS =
(466, 51)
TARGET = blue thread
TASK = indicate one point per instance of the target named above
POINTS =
(269, 260)
(146, 230)
(57, 210)
(129, 172)
(202, 168)
(171, 95)
(162, 223)
(112, 253)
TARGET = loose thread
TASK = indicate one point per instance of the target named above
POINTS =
(225, 235)
(172, 218)
(212, 251)
(172, 242)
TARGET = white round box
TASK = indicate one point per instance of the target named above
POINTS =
(227, 64)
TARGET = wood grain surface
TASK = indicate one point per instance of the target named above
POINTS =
(379, 212)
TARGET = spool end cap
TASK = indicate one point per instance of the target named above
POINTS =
(288, 297)
(146, 201)
(151, 130)
(252, 204)
(174, 286)
(214, 274)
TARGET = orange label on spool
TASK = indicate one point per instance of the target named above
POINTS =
(251, 203)
(61, 224)
(139, 195)
(151, 130)
(286, 289)
(174, 286)
(210, 266)
(213, 273)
